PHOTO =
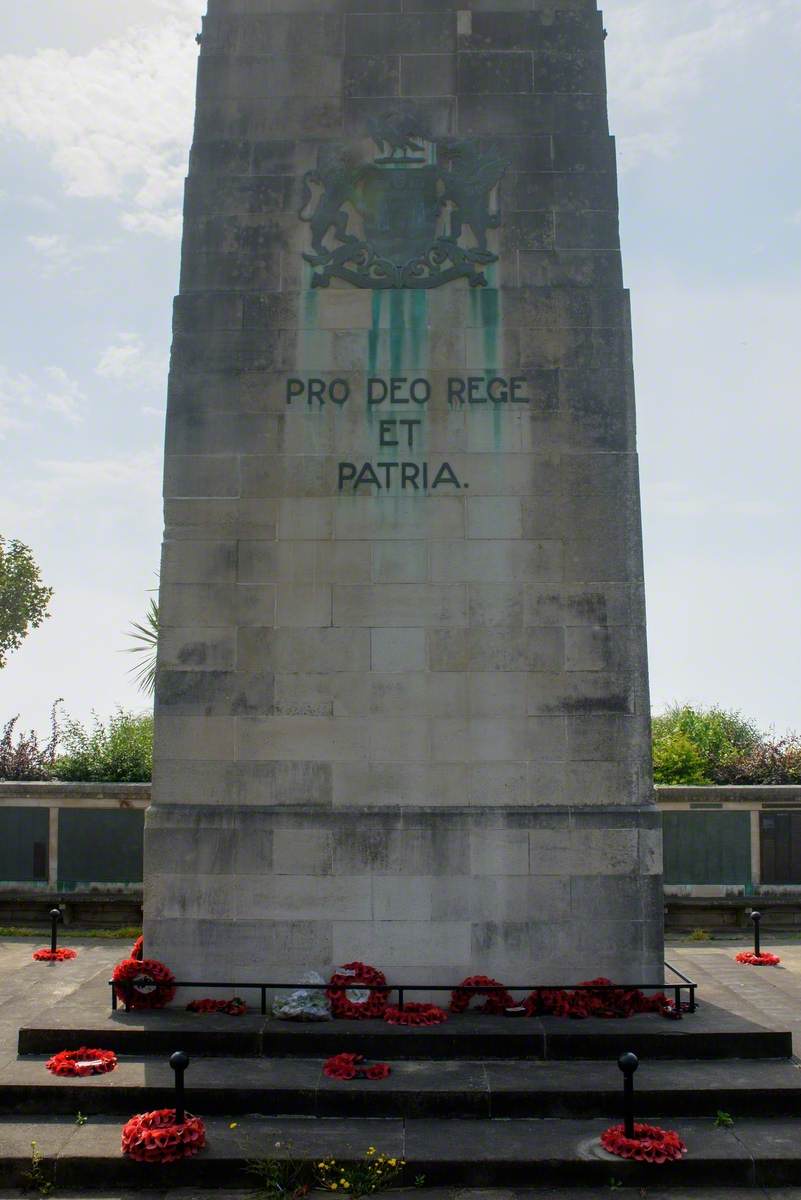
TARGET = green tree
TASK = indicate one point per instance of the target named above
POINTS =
(700, 745)
(146, 636)
(23, 596)
(119, 752)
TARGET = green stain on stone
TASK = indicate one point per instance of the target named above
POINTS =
(489, 306)
(397, 326)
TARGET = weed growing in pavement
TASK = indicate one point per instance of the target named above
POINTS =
(723, 1120)
(699, 935)
(364, 1177)
(80, 1118)
(279, 1178)
(36, 1180)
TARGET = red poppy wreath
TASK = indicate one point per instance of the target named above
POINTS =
(649, 1144)
(361, 994)
(596, 998)
(63, 954)
(156, 1137)
(415, 1014)
(145, 984)
(353, 1066)
(757, 960)
(497, 997)
(138, 949)
(235, 1007)
(82, 1062)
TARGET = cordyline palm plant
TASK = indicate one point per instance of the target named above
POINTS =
(146, 636)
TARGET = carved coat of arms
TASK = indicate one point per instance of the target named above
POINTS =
(400, 219)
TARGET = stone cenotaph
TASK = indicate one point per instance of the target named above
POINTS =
(402, 707)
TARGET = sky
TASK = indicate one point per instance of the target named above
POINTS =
(95, 125)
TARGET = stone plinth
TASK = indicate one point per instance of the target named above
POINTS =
(402, 705)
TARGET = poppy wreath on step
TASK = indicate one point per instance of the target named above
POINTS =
(235, 1007)
(145, 984)
(649, 1144)
(597, 998)
(497, 997)
(757, 960)
(156, 1137)
(60, 955)
(353, 1066)
(138, 949)
(364, 994)
(82, 1062)
(414, 1014)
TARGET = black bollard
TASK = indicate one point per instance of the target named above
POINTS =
(55, 917)
(628, 1064)
(756, 917)
(179, 1061)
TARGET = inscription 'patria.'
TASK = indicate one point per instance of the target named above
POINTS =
(398, 220)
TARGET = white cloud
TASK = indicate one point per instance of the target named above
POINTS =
(127, 361)
(116, 120)
(21, 397)
(59, 254)
(660, 56)
(139, 472)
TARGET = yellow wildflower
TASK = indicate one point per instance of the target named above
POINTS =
(321, 1166)
(393, 1162)
(233, 1125)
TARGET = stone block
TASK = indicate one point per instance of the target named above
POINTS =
(399, 943)
(399, 562)
(428, 74)
(498, 852)
(307, 897)
(399, 605)
(402, 897)
(178, 737)
(497, 693)
(318, 739)
(304, 605)
(491, 73)
(483, 561)
(195, 519)
(247, 76)
(372, 75)
(291, 650)
(497, 785)
(495, 649)
(201, 475)
(496, 604)
(215, 693)
(494, 517)
(300, 518)
(197, 648)
(392, 785)
(579, 692)
(370, 33)
(394, 649)
(367, 518)
(199, 562)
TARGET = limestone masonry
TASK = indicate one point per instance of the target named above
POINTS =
(402, 705)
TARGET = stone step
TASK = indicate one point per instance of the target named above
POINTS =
(456, 1153)
(708, 1033)
(492, 1089)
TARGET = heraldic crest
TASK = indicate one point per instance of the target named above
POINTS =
(399, 220)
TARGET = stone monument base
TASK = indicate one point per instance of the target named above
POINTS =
(428, 895)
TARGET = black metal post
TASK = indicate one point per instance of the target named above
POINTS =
(756, 917)
(179, 1061)
(264, 1002)
(628, 1064)
(55, 917)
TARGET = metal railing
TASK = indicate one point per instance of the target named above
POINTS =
(126, 989)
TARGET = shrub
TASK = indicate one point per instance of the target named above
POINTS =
(772, 761)
(119, 752)
(717, 736)
(678, 760)
(26, 759)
